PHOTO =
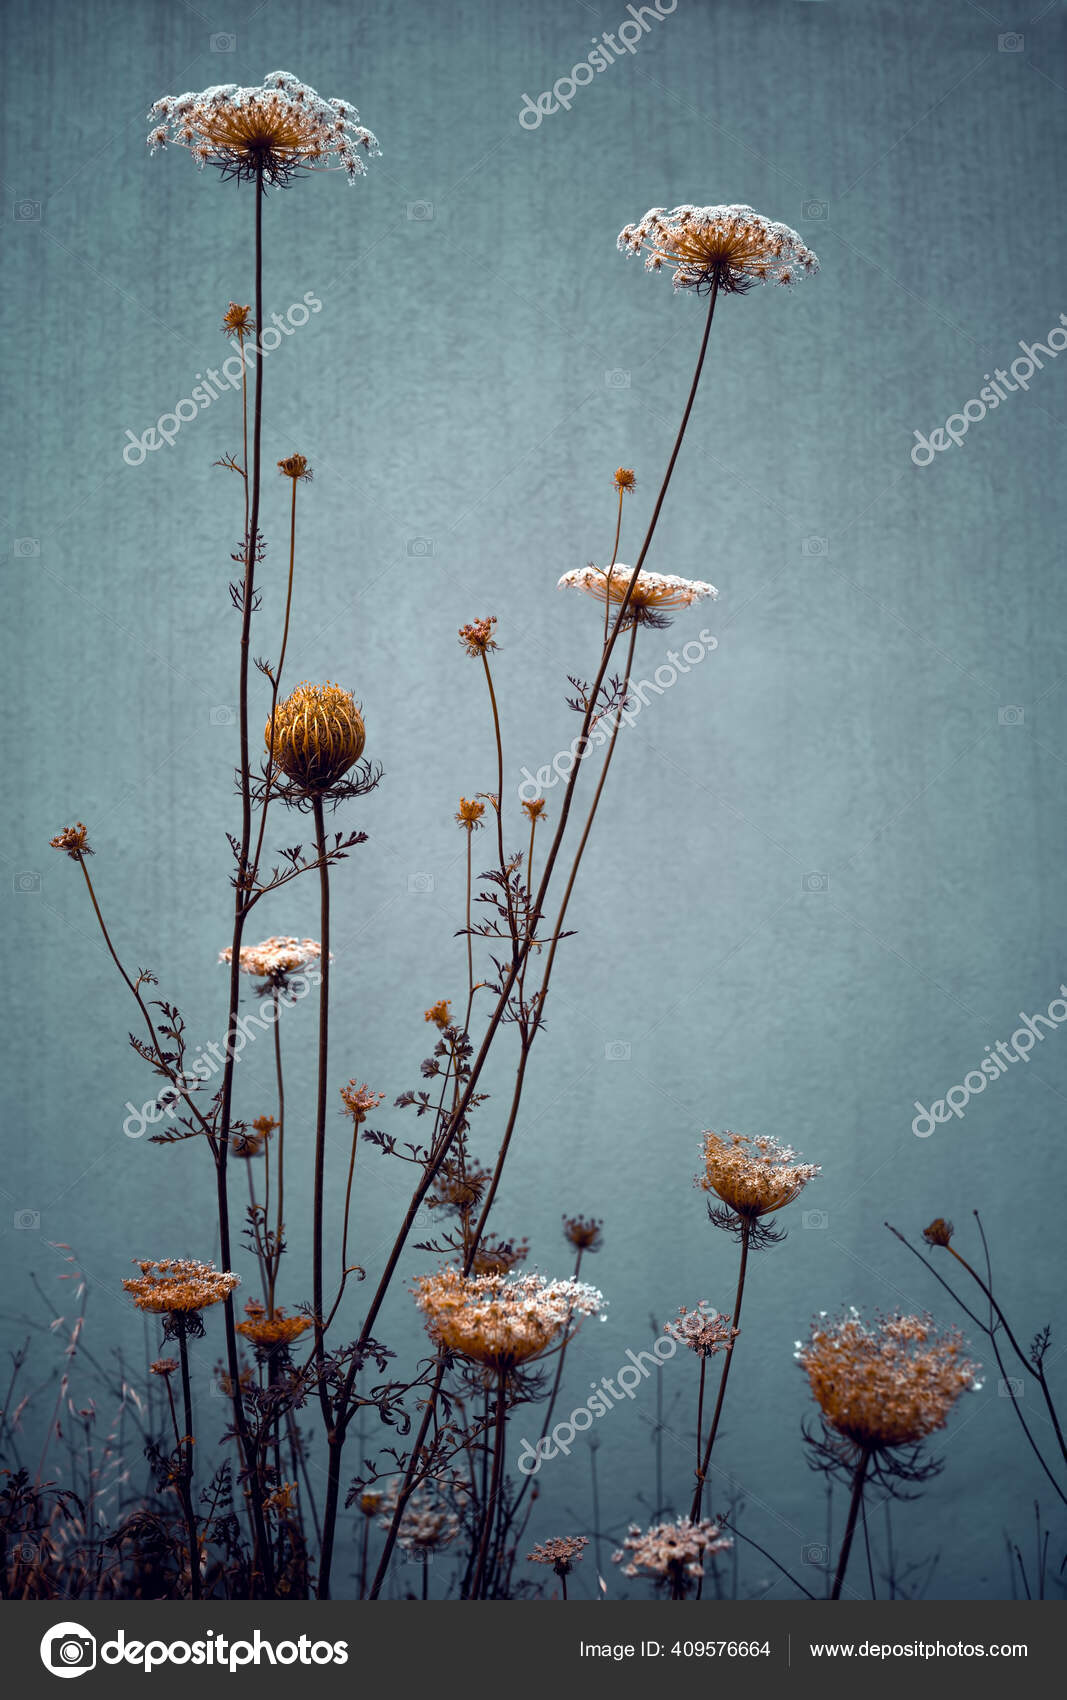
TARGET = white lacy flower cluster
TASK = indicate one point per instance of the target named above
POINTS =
(284, 119)
(275, 957)
(734, 246)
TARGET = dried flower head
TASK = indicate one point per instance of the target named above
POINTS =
(563, 1552)
(497, 1257)
(427, 1523)
(268, 133)
(276, 958)
(440, 1013)
(502, 1320)
(584, 1234)
(469, 815)
(74, 840)
(477, 638)
(296, 468)
(370, 1503)
(163, 1366)
(318, 734)
(625, 479)
(359, 1101)
(939, 1232)
(534, 808)
(670, 1551)
(176, 1284)
(270, 1331)
(753, 1176)
(655, 595)
(725, 248)
(703, 1330)
(248, 1142)
(885, 1383)
(238, 321)
(459, 1186)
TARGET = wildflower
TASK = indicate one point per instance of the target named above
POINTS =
(426, 1525)
(177, 1285)
(275, 959)
(296, 468)
(939, 1232)
(729, 248)
(584, 1235)
(671, 1552)
(267, 133)
(277, 1329)
(359, 1101)
(534, 809)
(477, 638)
(753, 1176)
(238, 321)
(497, 1257)
(470, 815)
(74, 840)
(625, 479)
(654, 594)
(370, 1503)
(440, 1013)
(563, 1552)
(502, 1320)
(248, 1142)
(459, 1187)
(704, 1331)
(316, 735)
(282, 1499)
(163, 1366)
(886, 1383)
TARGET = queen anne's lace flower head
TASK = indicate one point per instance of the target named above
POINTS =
(502, 1320)
(885, 1383)
(703, 1330)
(276, 957)
(730, 249)
(654, 595)
(670, 1551)
(270, 132)
(179, 1285)
(753, 1176)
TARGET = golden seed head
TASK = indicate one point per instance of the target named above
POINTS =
(238, 321)
(318, 734)
(163, 1366)
(625, 479)
(885, 1383)
(359, 1101)
(477, 638)
(939, 1232)
(584, 1235)
(296, 468)
(502, 1321)
(534, 808)
(274, 1330)
(753, 1176)
(440, 1013)
(74, 840)
(179, 1285)
(469, 814)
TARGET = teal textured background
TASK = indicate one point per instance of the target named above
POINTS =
(482, 362)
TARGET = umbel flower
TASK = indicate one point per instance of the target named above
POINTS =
(426, 1525)
(563, 1552)
(754, 1177)
(671, 1552)
(440, 1013)
(270, 1331)
(276, 958)
(584, 1233)
(74, 840)
(315, 736)
(270, 132)
(359, 1101)
(502, 1321)
(477, 637)
(729, 249)
(296, 468)
(469, 814)
(238, 321)
(887, 1383)
(249, 1142)
(177, 1285)
(495, 1256)
(655, 595)
(703, 1330)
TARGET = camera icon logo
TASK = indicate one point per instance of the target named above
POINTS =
(30, 210)
(1011, 715)
(419, 212)
(26, 546)
(420, 884)
(815, 1219)
(422, 548)
(1010, 43)
(28, 1220)
(815, 1554)
(815, 882)
(224, 42)
(222, 714)
(68, 1650)
(1011, 1387)
(617, 1050)
(617, 379)
(27, 880)
(815, 546)
(815, 209)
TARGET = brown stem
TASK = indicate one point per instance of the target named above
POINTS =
(475, 1591)
(850, 1527)
(320, 1112)
(735, 1320)
(187, 1464)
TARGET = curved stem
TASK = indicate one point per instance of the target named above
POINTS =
(735, 1319)
(850, 1527)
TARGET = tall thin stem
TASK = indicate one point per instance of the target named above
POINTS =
(850, 1527)
(320, 1111)
(477, 1586)
(187, 1463)
(735, 1320)
(279, 1182)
